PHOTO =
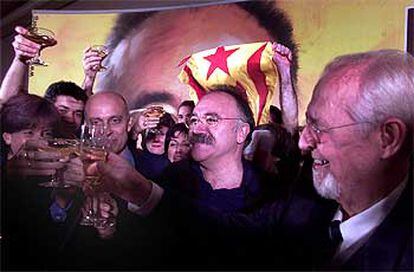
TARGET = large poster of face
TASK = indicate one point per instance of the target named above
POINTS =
(146, 47)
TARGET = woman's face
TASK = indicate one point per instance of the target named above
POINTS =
(156, 144)
(179, 147)
(17, 139)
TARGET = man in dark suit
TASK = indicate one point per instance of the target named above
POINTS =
(359, 130)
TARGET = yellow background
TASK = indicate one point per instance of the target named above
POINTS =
(322, 28)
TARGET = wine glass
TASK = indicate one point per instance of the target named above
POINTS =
(93, 148)
(42, 36)
(102, 51)
(154, 111)
(66, 148)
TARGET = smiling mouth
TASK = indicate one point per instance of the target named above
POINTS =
(317, 163)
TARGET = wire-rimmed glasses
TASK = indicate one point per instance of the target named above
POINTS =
(317, 131)
(210, 120)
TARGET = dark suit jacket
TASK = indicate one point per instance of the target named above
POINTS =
(302, 231)
(391, 245)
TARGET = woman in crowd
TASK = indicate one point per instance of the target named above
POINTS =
(177, 144)
(26, 117)
(152, 160)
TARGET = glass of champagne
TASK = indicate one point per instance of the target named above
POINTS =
(42, 36)
(93, 148)
(102, 51)
(66, 148)
(154, 111)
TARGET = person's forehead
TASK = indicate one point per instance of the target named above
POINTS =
(158, 46)
(184, 109)
(334, 96)
(179, 135)
(105, 107)
(69, 102)
(220, 103)
(42, 125)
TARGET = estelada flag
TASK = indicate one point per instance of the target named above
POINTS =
(247, 66)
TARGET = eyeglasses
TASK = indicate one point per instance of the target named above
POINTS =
(318, 131)
(210, 120)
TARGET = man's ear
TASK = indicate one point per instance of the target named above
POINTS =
(7, 138)
(393, 135)
(242, 132)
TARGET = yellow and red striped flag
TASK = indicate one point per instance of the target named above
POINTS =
(247, 66)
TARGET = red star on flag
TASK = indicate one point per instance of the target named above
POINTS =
(219, 60)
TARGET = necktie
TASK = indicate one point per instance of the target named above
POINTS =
(335, 238)
(335, 235)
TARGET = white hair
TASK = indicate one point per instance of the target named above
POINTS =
(386, 85)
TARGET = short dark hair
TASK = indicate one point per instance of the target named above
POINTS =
(267, 14)
(166, 121)
(187, 103)
(180, 128)
(65, 88)
(25, 111)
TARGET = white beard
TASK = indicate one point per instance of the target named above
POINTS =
(327, 187)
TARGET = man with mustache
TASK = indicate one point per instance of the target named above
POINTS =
(360, 132)
(218, 176)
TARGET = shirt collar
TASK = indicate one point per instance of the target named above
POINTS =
(358, 227)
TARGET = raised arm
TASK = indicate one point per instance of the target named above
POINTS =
(282, 57)
(14, 80)
(91, 62)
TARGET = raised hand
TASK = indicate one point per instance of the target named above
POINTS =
(142, 122)
(91, 62)
(31, 160)
(24, 49)
(282, 57)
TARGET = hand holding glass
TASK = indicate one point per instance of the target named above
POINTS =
(42, 36)
(102, 52)
(93, 148)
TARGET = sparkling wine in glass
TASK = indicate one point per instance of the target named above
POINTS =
(102, 51)
(42, 36)
(66, 148)
(93, 148)
(154, 111)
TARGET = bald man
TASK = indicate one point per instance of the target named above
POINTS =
(110, 110)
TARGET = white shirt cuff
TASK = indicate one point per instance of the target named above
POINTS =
(151, 202)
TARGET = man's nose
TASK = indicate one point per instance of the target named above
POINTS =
(179, 149)
(306, 141)
(108, 129)
(198, 127)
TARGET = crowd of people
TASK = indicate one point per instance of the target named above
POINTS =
(204, 186)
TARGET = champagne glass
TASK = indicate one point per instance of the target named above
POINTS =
(154, 111)
(102, 51)
(42, 36)
(93, 148)
(66, 147)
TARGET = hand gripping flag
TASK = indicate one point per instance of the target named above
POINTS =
(247, 66)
